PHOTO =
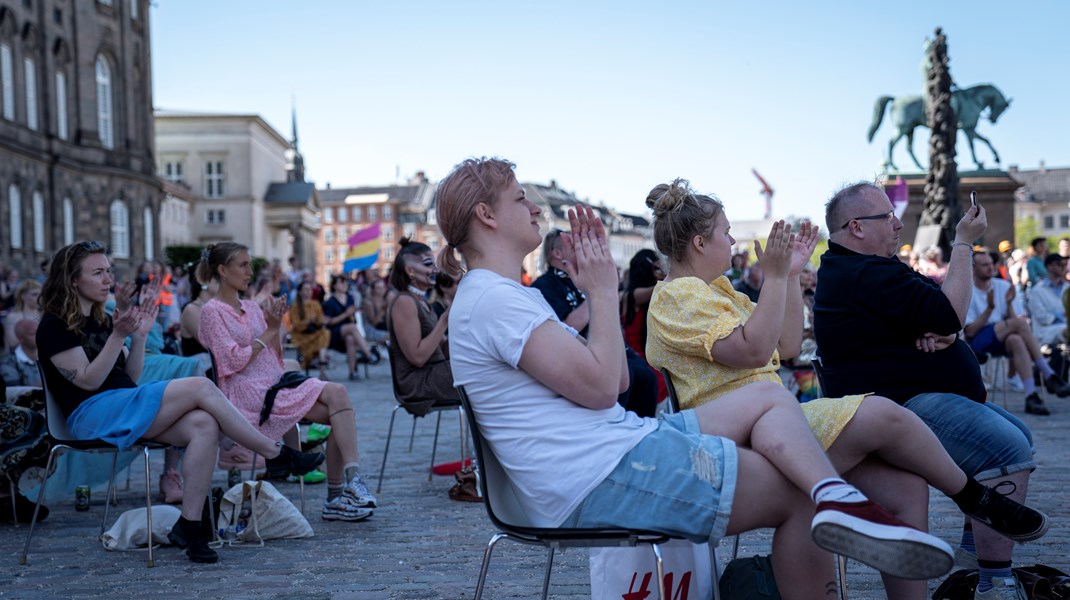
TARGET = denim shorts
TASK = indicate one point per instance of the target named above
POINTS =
(984, 440)
(986, 341)
(676, 481)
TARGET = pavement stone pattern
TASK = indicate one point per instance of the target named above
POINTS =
(419, 544)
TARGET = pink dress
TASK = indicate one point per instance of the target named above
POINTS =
(229, 335)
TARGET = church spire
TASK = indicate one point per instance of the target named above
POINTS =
(295, 163)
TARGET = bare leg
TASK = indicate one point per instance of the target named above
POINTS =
(898, 436)
(764, 498)
(991, 545)
(351, 351)
(333, 408)
(1019, 352)
(766, 417)
(198, 432)
(358, 338)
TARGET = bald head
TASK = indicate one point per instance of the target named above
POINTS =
(26, 333)
(860, 217)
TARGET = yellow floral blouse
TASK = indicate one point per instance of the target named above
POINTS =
(686, 317)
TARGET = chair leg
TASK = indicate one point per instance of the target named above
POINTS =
(148, 502)
(434, 445)
(715, 563)
(111, 488)
(252, 467)
(549, 568)
(841, 567)
(486, 564)
(464, 439)
(412, 434)
(14, 513)
(37, 507)
(301, 479)
(660, 570)
(735, 547)
(386, 450)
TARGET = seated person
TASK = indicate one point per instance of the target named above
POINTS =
(246, 342)
(644, 272)
(992, 325)
(339, 314)
(190, 321)
(375, 304)
(92, 376)
(19, 368)
(715, 340)
(26, 308)
(546, 404)
(417, 350)
(1046, 302)
(750, 285)
(309, 335)
(445, 289)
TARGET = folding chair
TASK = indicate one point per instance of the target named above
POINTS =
(438, 407)
(505, 512)
(63, 440)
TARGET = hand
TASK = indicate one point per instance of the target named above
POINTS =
(776, 257)
(1011, 293)
(273, 309)
(803, 247)
(126, 322)
(124, 296)
(150, 293)
(990, 297)
(593, 269)
(931, 342)
(972, 224)
(148, 314)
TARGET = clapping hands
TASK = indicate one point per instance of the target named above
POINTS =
(593, 268)
(273, 309)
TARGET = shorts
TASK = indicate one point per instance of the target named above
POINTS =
(677, 481)
(986, 341)
(984, 440)
(120, 416)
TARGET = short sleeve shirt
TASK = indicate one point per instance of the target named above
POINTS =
(53, 338)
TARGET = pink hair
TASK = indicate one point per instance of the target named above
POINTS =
(473, 181)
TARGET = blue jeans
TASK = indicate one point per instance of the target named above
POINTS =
(676, 481)
(983, 439)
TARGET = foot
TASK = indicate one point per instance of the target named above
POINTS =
(1007, 517)
(187, 535)
(1056, 386)
(317, 432)
(292, 462)
(1002, 589)
(1034, 405)
(375, 355)
(171, 487)
(340, 509)
(357, 492)
(312, 477)
(869, 534)
(1016, 385)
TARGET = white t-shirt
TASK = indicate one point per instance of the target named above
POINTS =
(554, 450)
(979, 302)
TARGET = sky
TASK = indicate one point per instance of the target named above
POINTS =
(611, 98)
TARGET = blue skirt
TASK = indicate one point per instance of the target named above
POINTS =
(119, 416)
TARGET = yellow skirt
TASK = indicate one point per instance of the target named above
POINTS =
(828, 416)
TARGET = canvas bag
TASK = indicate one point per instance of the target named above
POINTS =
(270, 514)
(128, 532)
(629, 572)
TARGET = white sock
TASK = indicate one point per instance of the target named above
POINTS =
(1044, 368)
(834, 489)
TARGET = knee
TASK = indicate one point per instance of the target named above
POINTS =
(335, 396)
(884, 410)
(203, 423)
(773, 393)
(204, 387)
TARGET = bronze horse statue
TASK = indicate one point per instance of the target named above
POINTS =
(908, 112)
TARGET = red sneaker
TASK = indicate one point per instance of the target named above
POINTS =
(871, 535)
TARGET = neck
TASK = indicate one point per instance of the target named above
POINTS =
(86, 306)
(687, 269)
(501, 263)
(228, 295)
(982, 284)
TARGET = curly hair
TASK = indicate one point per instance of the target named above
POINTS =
(58, 295)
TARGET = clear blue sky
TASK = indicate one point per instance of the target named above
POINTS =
(611, 98)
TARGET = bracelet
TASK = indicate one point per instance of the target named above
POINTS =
(261, 342)
(967, 244)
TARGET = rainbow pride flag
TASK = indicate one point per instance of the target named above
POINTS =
(363, 249)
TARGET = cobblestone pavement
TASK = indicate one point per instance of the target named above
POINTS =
(419, 544)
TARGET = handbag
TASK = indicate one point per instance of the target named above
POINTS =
(749, 578)
(254, 511)
(466, 489)
(632, 572)
(130, 530)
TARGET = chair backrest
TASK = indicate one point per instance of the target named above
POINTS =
(57, 423)
(499, 497)
(672, 403)
(211, 373)
(819, 371)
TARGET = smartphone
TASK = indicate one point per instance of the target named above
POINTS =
(973, 198)
(139, 283)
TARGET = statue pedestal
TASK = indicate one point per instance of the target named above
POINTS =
(995, 191)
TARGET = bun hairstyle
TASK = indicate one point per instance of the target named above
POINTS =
(399, 277)
(214, 256)
(679, 215)
(473, 181)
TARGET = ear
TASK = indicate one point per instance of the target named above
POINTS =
(485, 214)
(698, 243)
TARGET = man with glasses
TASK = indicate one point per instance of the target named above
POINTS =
(883, 328)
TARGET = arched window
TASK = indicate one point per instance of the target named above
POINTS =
(120, 229)
(68, 222)
(62, 130)
(7, 82)
(30, 78)
(150, 235)
(38, 222)
(14, 208)
(105, 122)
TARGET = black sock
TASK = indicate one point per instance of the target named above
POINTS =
(969, 496)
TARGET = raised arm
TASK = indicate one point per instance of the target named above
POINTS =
(75, 366)
(958, 284)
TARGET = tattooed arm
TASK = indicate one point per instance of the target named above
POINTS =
(74, 365)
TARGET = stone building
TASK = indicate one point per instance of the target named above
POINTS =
(76, 130)
(1044, 196)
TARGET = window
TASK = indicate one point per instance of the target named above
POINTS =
(38, 222)
(328, 215)
(14, 213)
(120, 230)
(342, 214)
(433, 244)
(343, 234)
(31, 93)
(328, 255)
(134, 9)
(388, 212)
(1049, 222)
(1064, 222)
(328, 235)
(371, 212)
(105, 126)
(213, 179)
(7, 82)
(61, 106)
(150, 235)
(388, 234)
(356, 214)
(215, 216)
(389, 253)
(68, 222)
(172, 170)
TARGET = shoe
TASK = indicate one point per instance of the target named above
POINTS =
(171, 487)
(375, 358)
(358, 493)
(1034, 405)
(965, 559)
(339, 509)
(312, 477)
(354, 376)
(317, 432)
(23, 510)
(1056, 386)
(187, 535)
(1003, 589)
(1015, 384)
(292, 462)
(1007, 517)
(871, 535)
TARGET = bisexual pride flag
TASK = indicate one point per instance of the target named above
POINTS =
(363, 249)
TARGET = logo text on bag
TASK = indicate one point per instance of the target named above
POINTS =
(680, 593)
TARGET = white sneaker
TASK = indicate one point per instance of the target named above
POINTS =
(358, 493)
(1002, 589)
(339, 509)
(1015, 384)
(965, 560)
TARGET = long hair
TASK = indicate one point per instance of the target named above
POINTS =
(25, 286)
(399, 278)
(473, 181)
(640, 275)
(58, 295)
(298, 302)
(214, 256)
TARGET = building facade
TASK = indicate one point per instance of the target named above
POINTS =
(1044, 196)
(76, 130)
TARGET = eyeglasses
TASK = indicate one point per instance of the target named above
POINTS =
(887, 216)
(91, 246)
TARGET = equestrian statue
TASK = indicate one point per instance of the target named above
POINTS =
(908, 112)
